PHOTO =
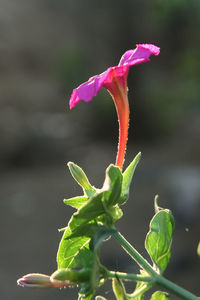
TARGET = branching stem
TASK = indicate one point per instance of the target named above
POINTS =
(153, 277)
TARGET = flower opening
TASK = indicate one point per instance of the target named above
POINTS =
(114, 79)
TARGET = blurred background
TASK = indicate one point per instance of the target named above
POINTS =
(47, 48)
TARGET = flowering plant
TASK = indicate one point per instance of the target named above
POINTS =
(97, 210)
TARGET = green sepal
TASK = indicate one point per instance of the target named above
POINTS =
(76, 202)
(159, 239)
(82, 179)
(113, 183)
(160, 296)
(71, 275)
(127, 178)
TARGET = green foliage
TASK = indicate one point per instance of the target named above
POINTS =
(118, 289)
(96, 212)
(159, 238)
(76, 202)
(160, 296)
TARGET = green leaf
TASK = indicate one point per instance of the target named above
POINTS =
(113, 183)
(127, 178)
(159, 239)
(90, 210)
(198, 249)
(73, 251)
(86, 229)
(81, 178)
(100, 298)
(76, 202)
(160, 296)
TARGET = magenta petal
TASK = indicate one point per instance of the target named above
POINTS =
(74, 99)
(139, 55)
(90, 88)
(87, 90)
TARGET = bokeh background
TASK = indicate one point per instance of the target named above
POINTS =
(47, 48)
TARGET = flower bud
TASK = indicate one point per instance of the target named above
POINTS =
(36, 280)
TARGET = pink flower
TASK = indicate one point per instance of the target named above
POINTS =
(114, 79)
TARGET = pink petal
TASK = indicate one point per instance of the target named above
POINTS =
(87, 90)
(90, 88)
(139, 55)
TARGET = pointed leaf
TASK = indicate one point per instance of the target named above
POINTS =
(81, 178)
(159, 239)
(127, 178)
(86, 229)
(160, 296)
(70, 250)
(89, 211)
(76, 202)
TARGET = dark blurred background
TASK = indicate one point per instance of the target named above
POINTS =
(47, 48)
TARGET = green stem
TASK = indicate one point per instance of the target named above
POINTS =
(135, 254)
(175, 289)
(154, 276)
(126, 276)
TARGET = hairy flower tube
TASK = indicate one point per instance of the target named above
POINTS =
(114, 79)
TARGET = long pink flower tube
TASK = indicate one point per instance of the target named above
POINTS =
(114, 79)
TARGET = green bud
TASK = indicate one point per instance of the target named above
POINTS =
(36, 280)
(81, 178)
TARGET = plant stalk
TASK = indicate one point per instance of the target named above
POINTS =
(154, 276)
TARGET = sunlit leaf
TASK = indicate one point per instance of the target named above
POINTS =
(159, 239)
(160, 296)
(71, 250)
(127, 178)
(89, 211)
(76, 202)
